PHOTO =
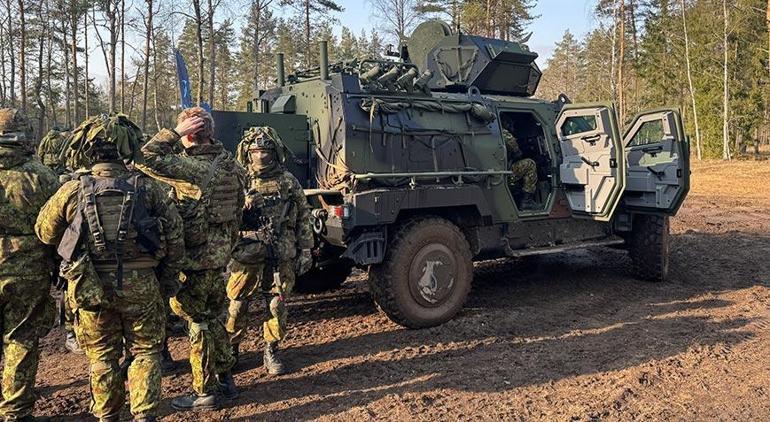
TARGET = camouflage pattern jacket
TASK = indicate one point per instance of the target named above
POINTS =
(281, 200)
(208, 187)
(25, 186)
(59, 212)
(50, 151)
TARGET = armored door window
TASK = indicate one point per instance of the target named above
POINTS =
(578, 124)
(650, 132)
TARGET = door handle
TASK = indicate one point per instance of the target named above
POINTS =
(593, 164)
(658, 174)
(591, 139)
(657, 148)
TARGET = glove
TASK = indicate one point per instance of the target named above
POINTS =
(305, 262)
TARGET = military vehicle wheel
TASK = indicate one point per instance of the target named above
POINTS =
(426, 275)
(323, 279)
(649, 247)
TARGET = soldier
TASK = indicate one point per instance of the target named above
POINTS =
(524, 169)
(26, 265)
(50, 150)
(275, 203)
(120, 239)
(208, 187)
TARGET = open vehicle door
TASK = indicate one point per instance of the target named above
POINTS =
(593, 163)
(657, 155)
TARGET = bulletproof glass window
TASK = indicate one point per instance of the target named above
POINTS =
(578, 124)
(649, 133)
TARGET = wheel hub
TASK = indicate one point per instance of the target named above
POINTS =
(432, 275)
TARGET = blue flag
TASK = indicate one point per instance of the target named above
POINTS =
(184, 80)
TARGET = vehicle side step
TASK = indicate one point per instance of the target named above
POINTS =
(562, 248)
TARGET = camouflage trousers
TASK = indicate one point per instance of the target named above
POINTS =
(27, 313)
(200, 302)
(526, 171)
(248, 281)
(132, 319)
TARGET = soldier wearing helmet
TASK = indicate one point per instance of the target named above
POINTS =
(26, 265)
(120, 240)
(275, 245)
(207, 185)
(50, 150)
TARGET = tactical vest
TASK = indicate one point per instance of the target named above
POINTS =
(218, 204)
(276, 192)
(222, 194)
(120, 232)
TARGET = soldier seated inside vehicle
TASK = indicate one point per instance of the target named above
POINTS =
(528, 159)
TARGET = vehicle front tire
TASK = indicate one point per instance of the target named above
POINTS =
(649, 247)
(426, 275)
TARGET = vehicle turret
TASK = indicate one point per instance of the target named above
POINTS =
(456, 61)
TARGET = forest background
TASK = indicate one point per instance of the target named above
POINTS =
(711, 58)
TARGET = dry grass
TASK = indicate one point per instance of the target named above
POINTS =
(735, 179)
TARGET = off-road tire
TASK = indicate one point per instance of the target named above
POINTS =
(323, 279)
(389, 282)
(649, 247)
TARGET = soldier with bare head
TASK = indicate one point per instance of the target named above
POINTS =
(207, 186)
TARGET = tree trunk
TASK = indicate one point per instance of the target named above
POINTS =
(308, 59)
(112, 18)
(726, 97)
(75, 91)
(3, 87)
(613, 61)
(11, 55)
(698, 149)
(212, 54)
(39, 80)
(768, 35)
(155, 79)
(255, 49)
(85, 69)
(67, 84)
(199, 39)
(122, 56)
(22, 56)
(49, 63)
(621, 63)
(146, 81)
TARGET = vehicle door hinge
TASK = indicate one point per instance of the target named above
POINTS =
(613, 163)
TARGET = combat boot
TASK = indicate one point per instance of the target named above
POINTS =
(271, 361)
(71, 343)
(167, 362)
(528, 201)
(227, 385)
(196, 402)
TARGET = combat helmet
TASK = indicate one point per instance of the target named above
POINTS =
(260, 138)
(114, 134)
(14, 126)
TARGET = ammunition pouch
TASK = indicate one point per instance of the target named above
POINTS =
(84, 287)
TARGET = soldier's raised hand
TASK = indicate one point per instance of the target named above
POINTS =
(189, 126)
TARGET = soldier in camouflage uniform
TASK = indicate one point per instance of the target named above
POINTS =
(50, 150)
(208, 187)
(275, 199)
(121, 242)
(26, 265)
(524, 170)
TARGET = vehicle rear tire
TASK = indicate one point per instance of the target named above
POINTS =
(426, 274)
(649, 247)
(324, 279)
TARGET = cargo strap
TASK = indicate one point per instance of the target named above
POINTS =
(128, 190)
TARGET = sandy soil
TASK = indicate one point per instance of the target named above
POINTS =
(565, 337)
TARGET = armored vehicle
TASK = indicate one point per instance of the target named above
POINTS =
(407, 167)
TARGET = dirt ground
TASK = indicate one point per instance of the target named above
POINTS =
(565, 337)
